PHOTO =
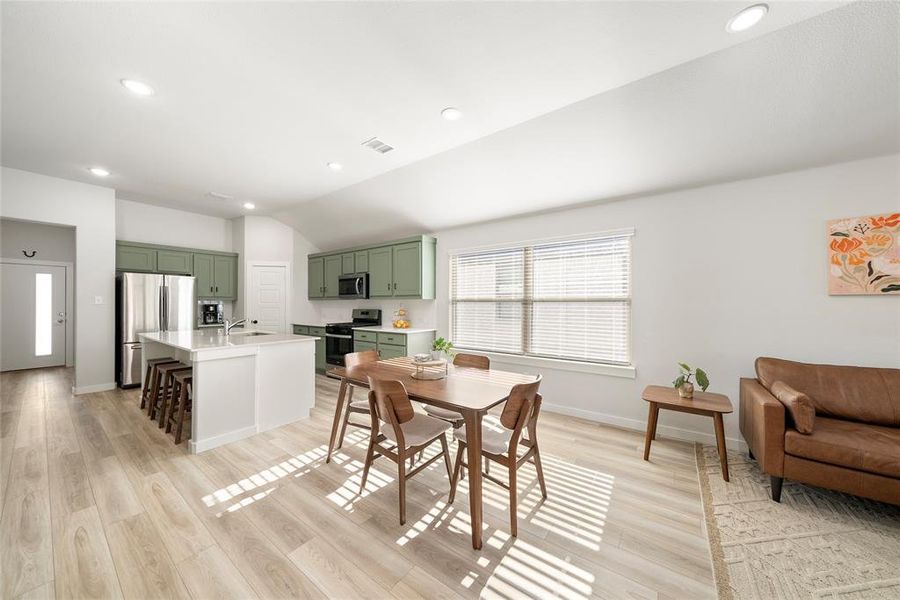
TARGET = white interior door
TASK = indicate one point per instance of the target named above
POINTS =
(267, 308)
(32, 316)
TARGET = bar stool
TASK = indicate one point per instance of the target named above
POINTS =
(182, 396)
(160, 395)
(149, 376)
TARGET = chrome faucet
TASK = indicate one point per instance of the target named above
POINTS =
(231, 324)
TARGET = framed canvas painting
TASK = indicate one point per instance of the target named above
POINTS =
(864, 255)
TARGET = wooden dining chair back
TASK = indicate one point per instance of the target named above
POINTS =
(475, 361)
(501, 444)
(360, 407)
(394, 420)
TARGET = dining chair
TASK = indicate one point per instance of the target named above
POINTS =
(475, 361)
(355, 406)
(409, 431)
(500, 443)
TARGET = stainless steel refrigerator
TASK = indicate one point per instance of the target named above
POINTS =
(148, 302)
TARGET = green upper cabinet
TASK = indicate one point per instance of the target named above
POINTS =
(175, 262)
(348, 264)
(135, 258)
(203, 271)
(225, 274)
(404, 268)
(333, 272)
(316, 278)
(362, 261)
(408, 269)
(381, 272)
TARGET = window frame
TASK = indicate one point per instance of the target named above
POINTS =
(526, 356)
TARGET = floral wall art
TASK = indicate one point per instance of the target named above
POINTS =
(864, 254)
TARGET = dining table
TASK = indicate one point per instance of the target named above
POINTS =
(470, 391)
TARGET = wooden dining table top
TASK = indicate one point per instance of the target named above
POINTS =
(464, 388)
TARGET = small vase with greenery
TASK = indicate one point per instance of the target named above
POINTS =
(441, 346)
(683, 382)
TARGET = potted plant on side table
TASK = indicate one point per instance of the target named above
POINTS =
(683, 382)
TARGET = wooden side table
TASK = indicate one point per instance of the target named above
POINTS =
(703, 403)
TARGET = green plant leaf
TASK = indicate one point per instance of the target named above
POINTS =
(678, 382)
(702, 379)
(685, 367)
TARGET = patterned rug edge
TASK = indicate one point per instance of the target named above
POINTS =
(720, 568)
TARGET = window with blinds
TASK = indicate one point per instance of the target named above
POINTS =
(565, 300)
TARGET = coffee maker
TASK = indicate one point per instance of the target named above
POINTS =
(210, 313)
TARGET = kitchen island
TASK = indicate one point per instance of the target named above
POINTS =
(244, 383)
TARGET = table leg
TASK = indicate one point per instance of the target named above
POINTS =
(473, 446)
(338, 412)
(720, 443)
(652, 416)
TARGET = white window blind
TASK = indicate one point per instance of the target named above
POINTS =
(567, 300)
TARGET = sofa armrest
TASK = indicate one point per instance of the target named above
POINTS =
(762, 425)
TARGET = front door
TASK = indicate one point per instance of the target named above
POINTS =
(32, 316)
(267, 308)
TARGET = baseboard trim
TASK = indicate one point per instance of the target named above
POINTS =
(219, 440)
(666, 431)
(90, 389)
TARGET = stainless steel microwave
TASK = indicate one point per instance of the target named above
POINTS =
(353, 286)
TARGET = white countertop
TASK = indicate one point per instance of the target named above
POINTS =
(199, 339)
(385, 329)
(307, 324)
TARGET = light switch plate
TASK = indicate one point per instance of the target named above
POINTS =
(98, 299)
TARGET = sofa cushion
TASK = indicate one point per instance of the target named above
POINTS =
(861, 394)
(798, 405)
(860, 446)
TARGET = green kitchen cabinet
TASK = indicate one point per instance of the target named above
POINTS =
(360, 346)
(319, 332)
(385, 351)
(381, 272)
(225, 275)
(362, 261)
(135, 258)
(203, 272)
(348, 264)
(408, 269)
(316, 278)
(333, 272)
(176, 262)
(301, 330)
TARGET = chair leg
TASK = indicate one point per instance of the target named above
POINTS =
(182, 408)
(487, 467)
(370, 452)
(176, 391)
(401, 479)
(454, 480)
(446, 452)
(540, 470)
(513, 526)
(346, 417)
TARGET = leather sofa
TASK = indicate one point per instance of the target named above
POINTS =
(832, 426)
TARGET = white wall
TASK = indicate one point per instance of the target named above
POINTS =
(138, 222)
(50, 242)
(262, 239)
(722, 274)
(91, 210)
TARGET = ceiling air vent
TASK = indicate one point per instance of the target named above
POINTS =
(377, 145)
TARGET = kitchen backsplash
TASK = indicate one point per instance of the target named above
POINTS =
(420, 313)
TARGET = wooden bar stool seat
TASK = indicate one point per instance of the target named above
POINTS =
(159, 396)
(180, 407)
(148, 376)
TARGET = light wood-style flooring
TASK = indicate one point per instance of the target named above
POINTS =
(97, 502)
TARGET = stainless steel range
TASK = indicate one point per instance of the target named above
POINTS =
(339, 336)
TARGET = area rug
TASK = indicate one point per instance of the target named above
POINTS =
(814, 544)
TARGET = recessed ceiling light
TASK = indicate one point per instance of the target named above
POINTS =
(451, 114)
(249, 205)
(99, 172)
(138, 88)
(747, 18)
(334, 166)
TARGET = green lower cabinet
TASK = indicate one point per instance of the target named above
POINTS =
(301, 330)
(360, 346)
(135, 258)
(319, 332)
(387, 351)
(175, 262)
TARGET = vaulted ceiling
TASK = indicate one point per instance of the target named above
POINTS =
(562, 102)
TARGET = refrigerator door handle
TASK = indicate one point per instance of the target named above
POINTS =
(163, 308)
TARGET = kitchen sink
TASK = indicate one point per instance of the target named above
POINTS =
(249, 333)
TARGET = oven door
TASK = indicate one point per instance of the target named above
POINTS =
(336, 346)
(354, 286)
